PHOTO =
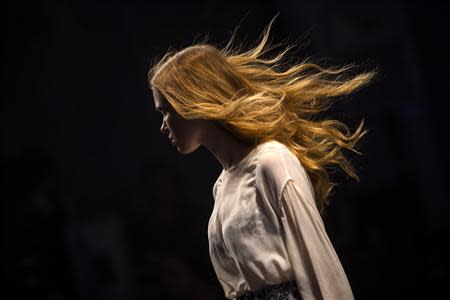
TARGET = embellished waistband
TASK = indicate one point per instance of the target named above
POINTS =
(281, 291)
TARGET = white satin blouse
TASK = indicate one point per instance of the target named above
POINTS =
(265, 228)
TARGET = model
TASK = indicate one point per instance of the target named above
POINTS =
(258, 117)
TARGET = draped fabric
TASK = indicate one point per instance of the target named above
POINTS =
(316, 266)
(265, 229)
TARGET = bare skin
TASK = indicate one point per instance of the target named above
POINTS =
(188, 135)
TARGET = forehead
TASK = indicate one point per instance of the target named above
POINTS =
(160, 102)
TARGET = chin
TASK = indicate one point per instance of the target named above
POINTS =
(187, 150)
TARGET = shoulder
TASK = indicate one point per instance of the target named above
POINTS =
(276, 157)
(276, 164)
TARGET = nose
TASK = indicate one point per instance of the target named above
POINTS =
(164, 129)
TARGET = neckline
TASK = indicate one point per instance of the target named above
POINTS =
(246, 157)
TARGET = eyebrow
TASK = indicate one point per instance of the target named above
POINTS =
(160, 107)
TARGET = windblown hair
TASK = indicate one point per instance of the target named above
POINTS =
(256, 100)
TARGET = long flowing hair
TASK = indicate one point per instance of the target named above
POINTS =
(259, 99)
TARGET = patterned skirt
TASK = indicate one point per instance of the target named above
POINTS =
(282, 291)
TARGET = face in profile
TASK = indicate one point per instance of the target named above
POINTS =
(183, 133)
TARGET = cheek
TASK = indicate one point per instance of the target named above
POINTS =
(174, 123)
(182, 127)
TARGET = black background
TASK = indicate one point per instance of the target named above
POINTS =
(96, 203)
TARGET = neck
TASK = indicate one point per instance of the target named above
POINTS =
(226, 148)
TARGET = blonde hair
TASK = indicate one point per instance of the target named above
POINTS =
(254, 99)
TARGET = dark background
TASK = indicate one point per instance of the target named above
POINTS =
(97, 204)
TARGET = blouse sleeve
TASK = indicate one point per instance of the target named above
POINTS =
(318, 271)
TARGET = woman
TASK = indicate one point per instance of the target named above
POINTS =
(266, 236)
